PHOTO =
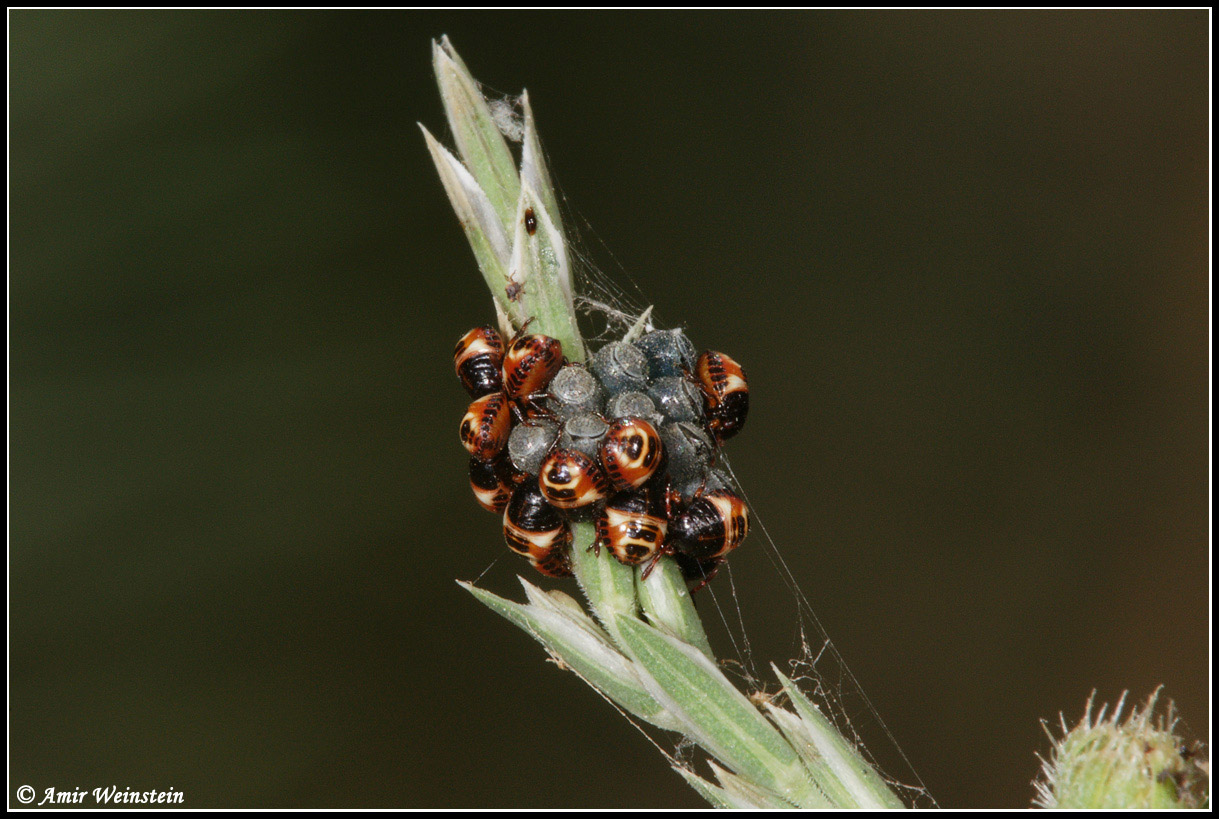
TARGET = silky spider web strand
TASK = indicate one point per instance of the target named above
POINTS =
(740, 616)
(789, 579)
(780, 564)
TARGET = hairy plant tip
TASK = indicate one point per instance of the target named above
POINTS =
(1108, 762)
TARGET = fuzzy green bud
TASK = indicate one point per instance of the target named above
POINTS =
(1133, 763)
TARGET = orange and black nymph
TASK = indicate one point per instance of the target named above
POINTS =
(725, 393)
(530, 363)
(632, 526)
(570, 479)
(486, 425)
(490, 482)
(478, 358)
(631, 453)
(711, 526)
(535, 529)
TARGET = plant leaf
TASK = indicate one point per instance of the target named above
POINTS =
(608, 585)
(715, 714)
(539, 263)
(533, 166)
(714, 794)
(793, 728)
(840, 758)
(748, 795)
(582, 646)
(478, 218)
(665, 600)
(479, 142)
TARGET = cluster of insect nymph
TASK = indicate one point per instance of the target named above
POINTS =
(629, 441)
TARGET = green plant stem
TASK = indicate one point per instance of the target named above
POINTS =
(646, 650)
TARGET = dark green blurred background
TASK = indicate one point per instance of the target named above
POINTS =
(962, 256)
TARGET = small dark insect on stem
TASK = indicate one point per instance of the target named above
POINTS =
(531, 221)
